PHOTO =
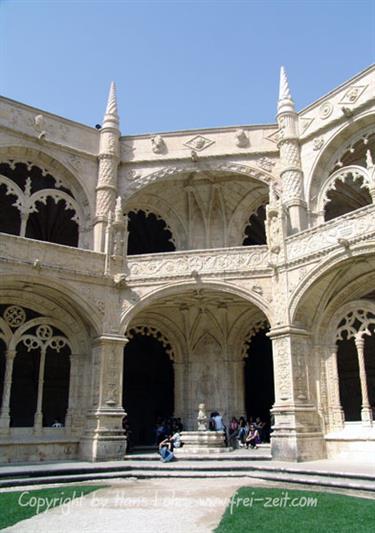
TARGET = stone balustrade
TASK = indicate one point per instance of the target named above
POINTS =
(345, 230)
(199, 262)
(41, 254)
(350, 228)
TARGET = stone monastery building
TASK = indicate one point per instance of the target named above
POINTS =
(149, 273)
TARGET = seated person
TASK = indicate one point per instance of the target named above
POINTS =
(252, 438)
(242, 430)
(165, 450)
(176, 441)
(219, 424)
(261, 427)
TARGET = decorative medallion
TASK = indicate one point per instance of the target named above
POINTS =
(318, 143)
(353, 93)
(325, 110)
(198, 143)
(14, 316)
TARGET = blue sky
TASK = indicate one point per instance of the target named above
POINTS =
(179, 65)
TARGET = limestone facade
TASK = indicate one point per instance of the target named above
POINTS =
(73, 296)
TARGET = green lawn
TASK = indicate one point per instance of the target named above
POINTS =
(283, 510)
(17, 506)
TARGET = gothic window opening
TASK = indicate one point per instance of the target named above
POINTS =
(53, 223)
(259, 379)
(148, 234)
(10, 216)
(56, 386)
(35, 204)
(2, 369)
(349, 382)
(355, 364)
(24, 391)
(35, 357)
(148, 384)
(255, 231)
(346, 195)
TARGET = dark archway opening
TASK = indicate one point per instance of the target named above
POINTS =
(370, 365)
(255, 231)
(259, 380)
(10, 219)
(349, 383)
(24, 391)
(346, 197)
(148, 234)
(2, 369)
(148, 389)
(56, 386)
(53, 223)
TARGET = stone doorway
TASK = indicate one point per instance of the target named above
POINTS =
(148, 385)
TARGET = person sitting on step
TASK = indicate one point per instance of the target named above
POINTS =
(165, 450)
(252, 438)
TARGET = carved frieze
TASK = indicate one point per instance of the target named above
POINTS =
(318, 239)
(204, 263)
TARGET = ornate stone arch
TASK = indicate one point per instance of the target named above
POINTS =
(78, 201)
(72, 313)
(251, 321)
(257, 326)
(355, 172)
(161, 329)
(171, 172)
(240, 218)
(339, 142)
(353, 319)
(177, 287)
(334, 261)
(151, 203)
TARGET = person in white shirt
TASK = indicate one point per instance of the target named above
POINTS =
(219, 424)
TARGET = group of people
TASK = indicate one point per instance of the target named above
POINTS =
(240, 432)
(247, 433)
(165, 427)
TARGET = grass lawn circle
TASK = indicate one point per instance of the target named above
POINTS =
(284, 510)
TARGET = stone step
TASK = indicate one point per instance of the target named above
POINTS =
(249, 457)
(326, 479)
(149, 466)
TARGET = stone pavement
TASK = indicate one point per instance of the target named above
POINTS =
(141, 506)
(154, 505)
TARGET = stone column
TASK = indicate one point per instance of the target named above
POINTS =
(179, 399)
(291, 173)
(73, 385)
(336, 412)
(24, 219)
(104, 438)
(366, 411)
(38, 417)
(109, 157)
(297, 434)
(5, 413)
(238, 391)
